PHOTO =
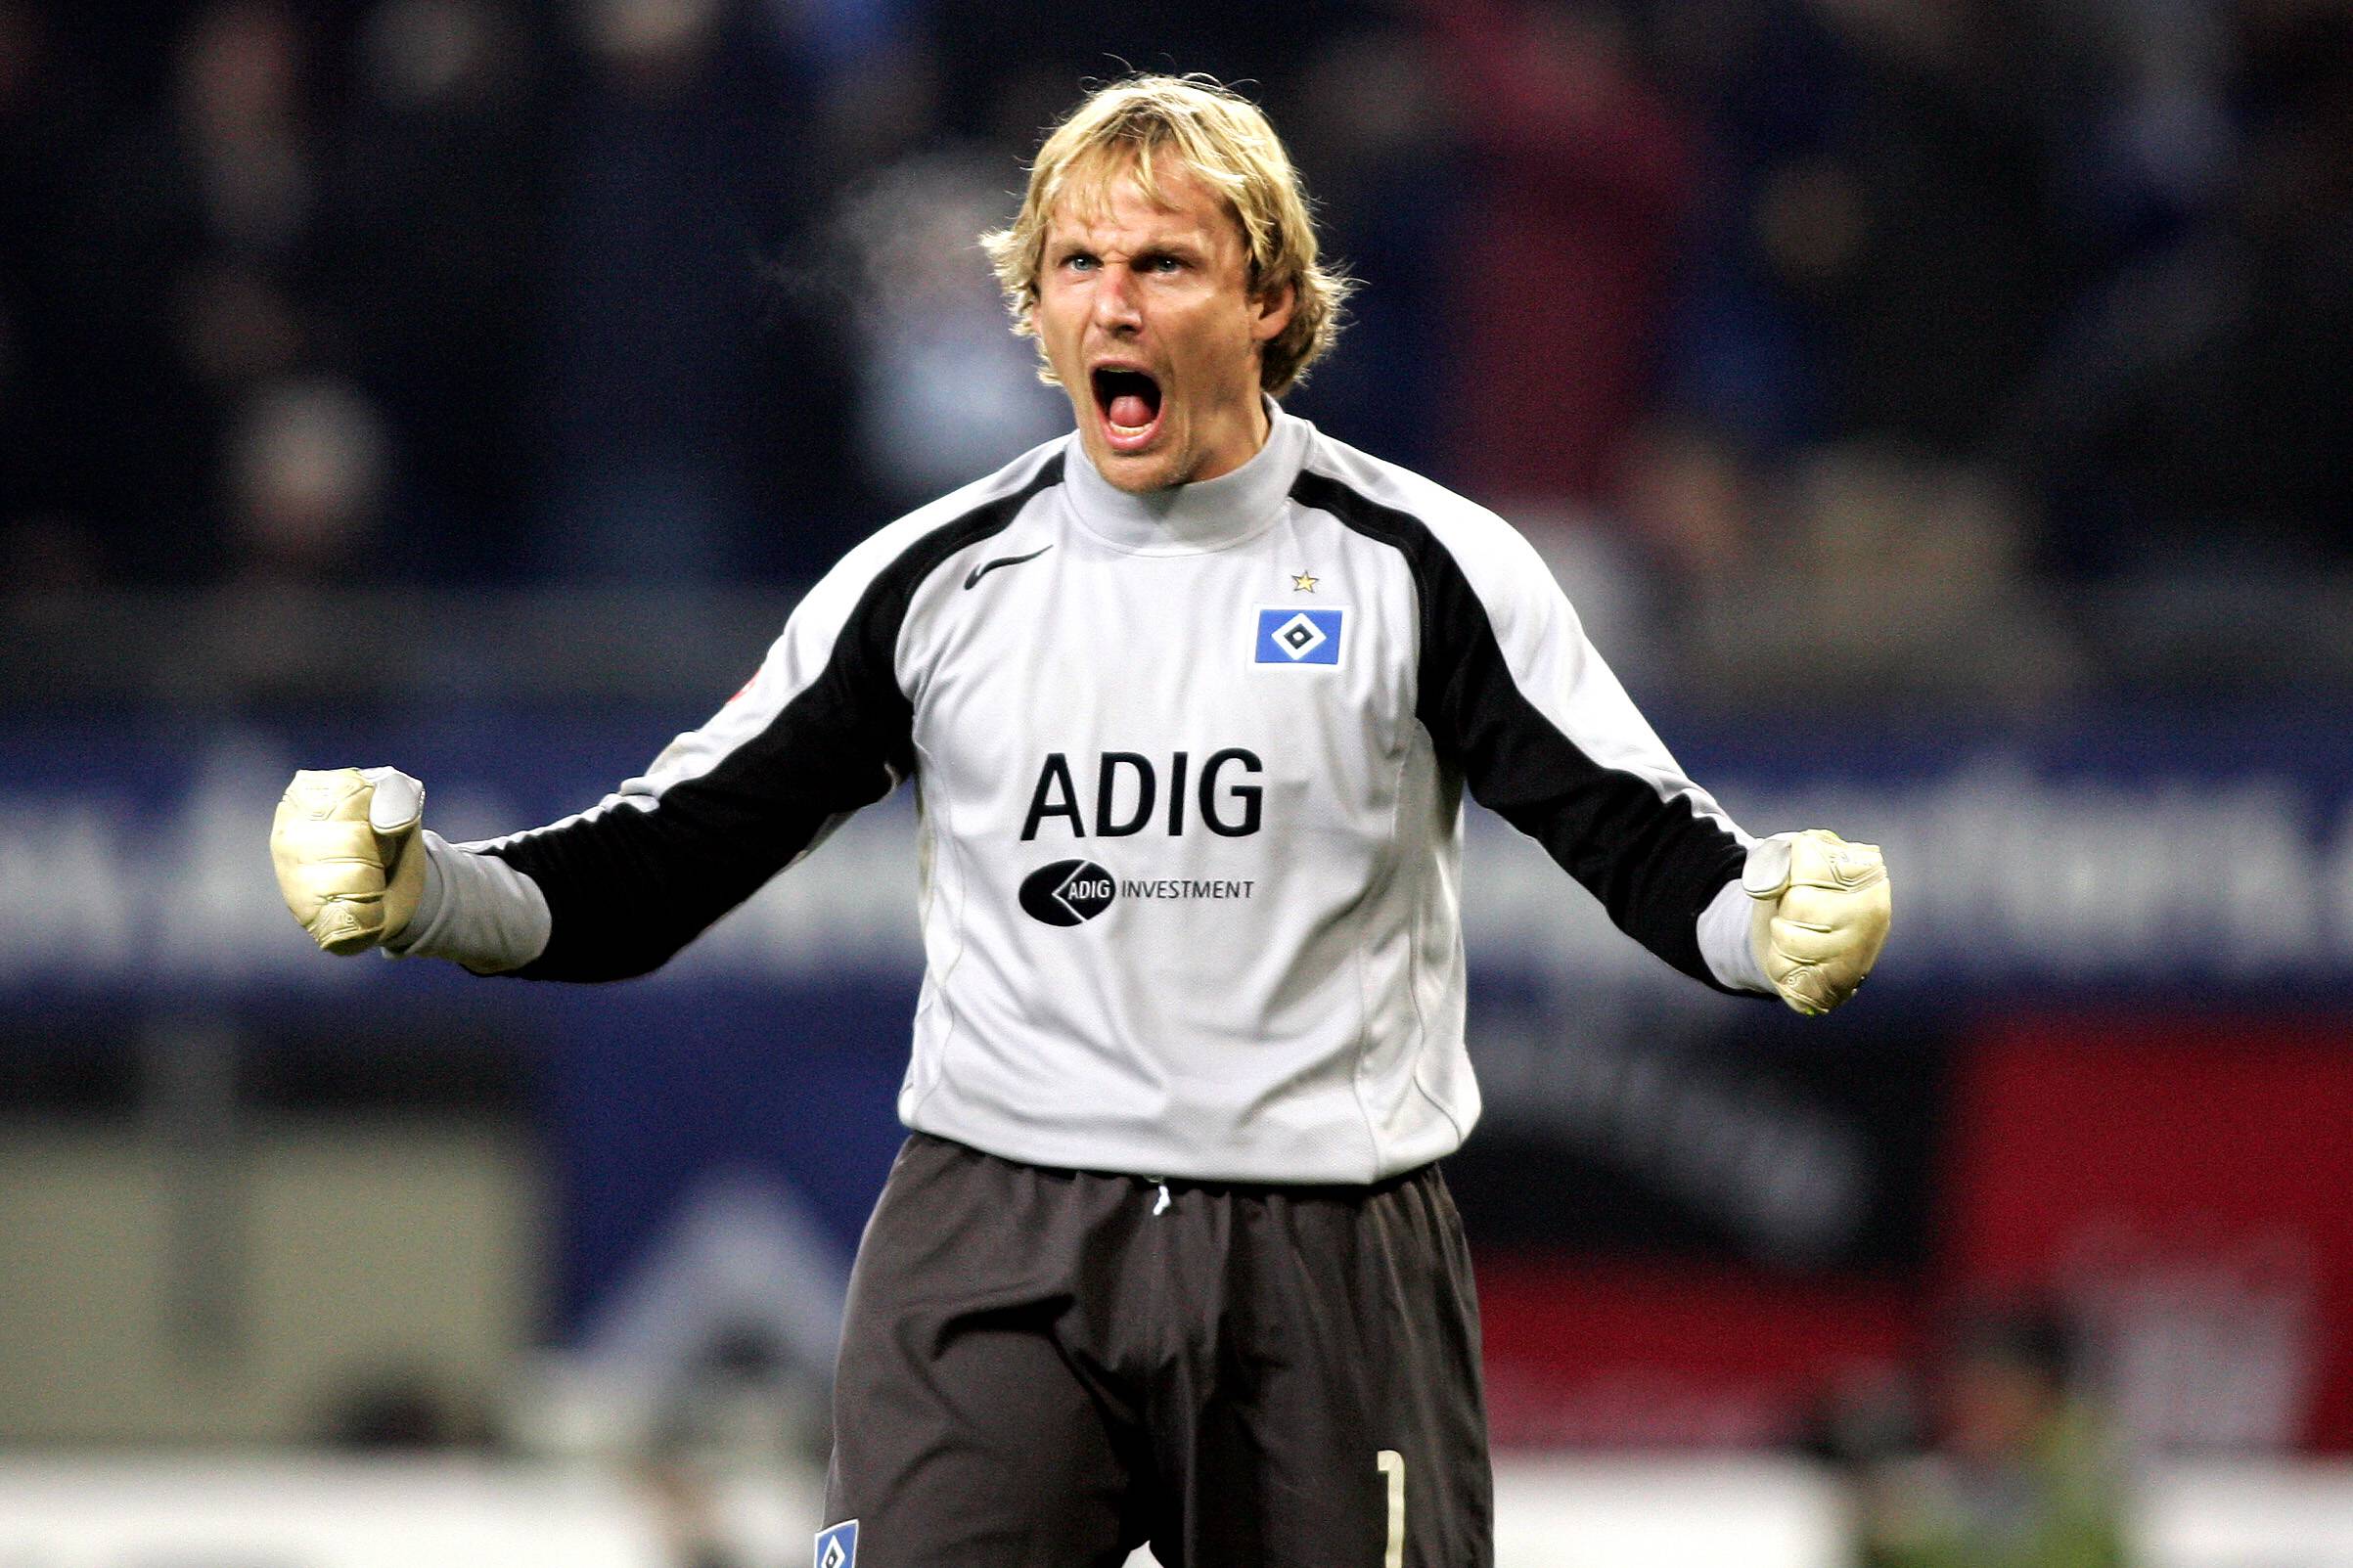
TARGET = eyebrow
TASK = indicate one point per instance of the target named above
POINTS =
(1183, 247)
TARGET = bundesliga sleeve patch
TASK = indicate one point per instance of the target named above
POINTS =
(1288, 635)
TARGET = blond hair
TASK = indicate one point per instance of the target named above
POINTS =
(1225, 141)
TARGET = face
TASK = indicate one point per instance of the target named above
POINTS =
(1146, 313)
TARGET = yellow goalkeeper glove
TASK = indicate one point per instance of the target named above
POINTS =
(1820, 914)
(350, 864)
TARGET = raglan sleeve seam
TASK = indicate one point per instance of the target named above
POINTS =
(1620, 817)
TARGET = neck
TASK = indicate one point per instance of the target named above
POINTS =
(1255, 428)
(1209, 514)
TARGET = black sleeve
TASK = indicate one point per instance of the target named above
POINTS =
(822, 730)
(1530, 723)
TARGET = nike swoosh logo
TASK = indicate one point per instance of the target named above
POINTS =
(985, 568)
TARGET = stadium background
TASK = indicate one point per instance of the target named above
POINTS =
(1938, 412)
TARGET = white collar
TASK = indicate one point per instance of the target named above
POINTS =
(1191, 518)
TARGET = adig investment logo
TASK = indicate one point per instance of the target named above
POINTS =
(1072, 892)
(1069, 892)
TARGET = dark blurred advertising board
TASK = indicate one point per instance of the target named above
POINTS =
(1691, 1209)
(2195, 855)
(2175, 1187)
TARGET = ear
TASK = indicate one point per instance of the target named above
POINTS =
(1270, 312)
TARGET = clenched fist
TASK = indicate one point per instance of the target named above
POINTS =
(1820, 916)
(350, 865)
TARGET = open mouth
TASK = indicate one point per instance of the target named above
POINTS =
(1130, 404)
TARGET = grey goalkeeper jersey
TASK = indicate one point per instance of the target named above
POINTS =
(1190, 770)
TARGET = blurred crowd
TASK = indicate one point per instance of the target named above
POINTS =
(1958, 312)
(1992, 1454)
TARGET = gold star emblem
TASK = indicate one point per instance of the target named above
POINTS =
(1302, 582)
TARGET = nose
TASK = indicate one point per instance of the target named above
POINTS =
(1116, 306)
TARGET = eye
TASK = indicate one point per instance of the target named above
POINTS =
(1160, 264)
(1079, 261)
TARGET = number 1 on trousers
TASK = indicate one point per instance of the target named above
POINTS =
(1391, 1463)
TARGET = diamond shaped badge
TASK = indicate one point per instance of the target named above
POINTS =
(1290, 636)
(837, 1546)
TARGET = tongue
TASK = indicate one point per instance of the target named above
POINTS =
(1130, 409)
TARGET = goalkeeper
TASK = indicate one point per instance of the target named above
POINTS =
(1190, 699)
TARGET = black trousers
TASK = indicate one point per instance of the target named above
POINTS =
(1045, 1368)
